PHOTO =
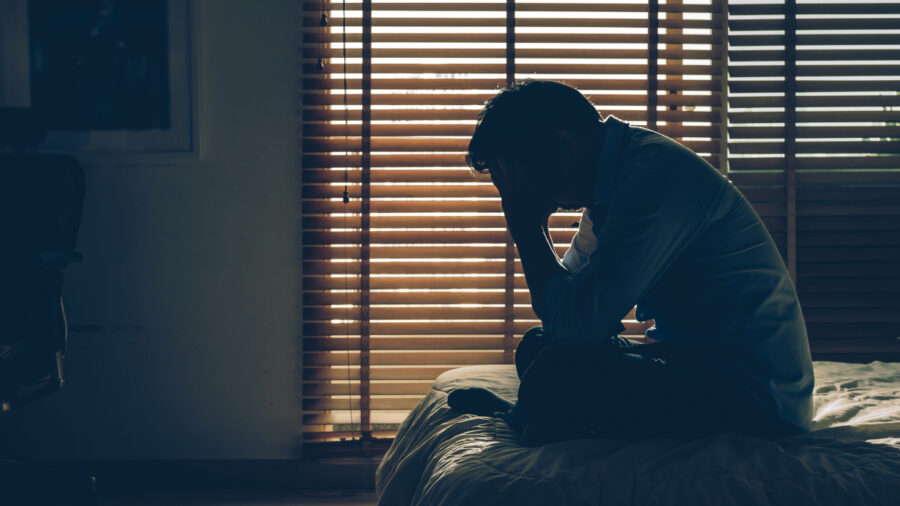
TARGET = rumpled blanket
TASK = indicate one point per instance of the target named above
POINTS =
(442, 458)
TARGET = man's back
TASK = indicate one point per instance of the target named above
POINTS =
(726, 296)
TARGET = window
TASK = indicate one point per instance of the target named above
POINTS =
(814, 124)
(416, 274)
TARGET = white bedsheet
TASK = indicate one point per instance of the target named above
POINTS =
(440, 458)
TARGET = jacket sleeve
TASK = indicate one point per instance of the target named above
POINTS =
(652, 218)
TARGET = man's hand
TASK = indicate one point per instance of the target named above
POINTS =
(524, 205)
(526, 210)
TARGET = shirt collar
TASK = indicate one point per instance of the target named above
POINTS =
(609, 156)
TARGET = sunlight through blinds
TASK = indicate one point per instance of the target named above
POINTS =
(413, 276)
(814, 124)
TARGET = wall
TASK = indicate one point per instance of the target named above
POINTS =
(191, 271)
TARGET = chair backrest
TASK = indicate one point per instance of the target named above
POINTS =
(41, 199)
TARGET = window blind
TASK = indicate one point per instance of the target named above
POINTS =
(415, 274)
(814, 140)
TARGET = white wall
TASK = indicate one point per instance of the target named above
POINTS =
(191, 271)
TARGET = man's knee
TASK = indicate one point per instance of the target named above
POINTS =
(531, 344)
(556, 384)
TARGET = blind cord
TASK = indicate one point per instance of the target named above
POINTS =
(323, 22)
(346, 200)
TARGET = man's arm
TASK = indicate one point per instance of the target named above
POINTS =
(526, 211)
(652, 218)
(583, 244)
(539, 259)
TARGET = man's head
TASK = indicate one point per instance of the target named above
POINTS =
(536, 133)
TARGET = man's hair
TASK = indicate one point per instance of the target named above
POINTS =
(518, 123)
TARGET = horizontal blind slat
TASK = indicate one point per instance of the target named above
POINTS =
(493, 83)
(313, 53)
(315, 8)
(523, 22)
(466, 130)
(316, 36)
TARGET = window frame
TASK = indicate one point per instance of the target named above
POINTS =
(180, 137)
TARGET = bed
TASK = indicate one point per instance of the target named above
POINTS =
(441, 458)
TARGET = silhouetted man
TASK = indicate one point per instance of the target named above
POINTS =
(663, 230)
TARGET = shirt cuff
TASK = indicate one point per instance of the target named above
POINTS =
(583, 245)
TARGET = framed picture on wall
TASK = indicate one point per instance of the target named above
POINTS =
(107, 75)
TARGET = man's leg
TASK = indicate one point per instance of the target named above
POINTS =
(571, 391)
(532, 343)
(577, 391)
(478, 401)
(562, 396)
(626, 391)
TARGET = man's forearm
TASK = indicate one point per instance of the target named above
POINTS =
(539, 259)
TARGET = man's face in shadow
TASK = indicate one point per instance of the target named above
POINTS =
(565, 179)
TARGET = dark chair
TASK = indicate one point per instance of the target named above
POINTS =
(41, 197)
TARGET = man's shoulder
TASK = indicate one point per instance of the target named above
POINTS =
(645, 147)
(649, 150)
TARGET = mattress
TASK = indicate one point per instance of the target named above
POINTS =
(442, 458)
